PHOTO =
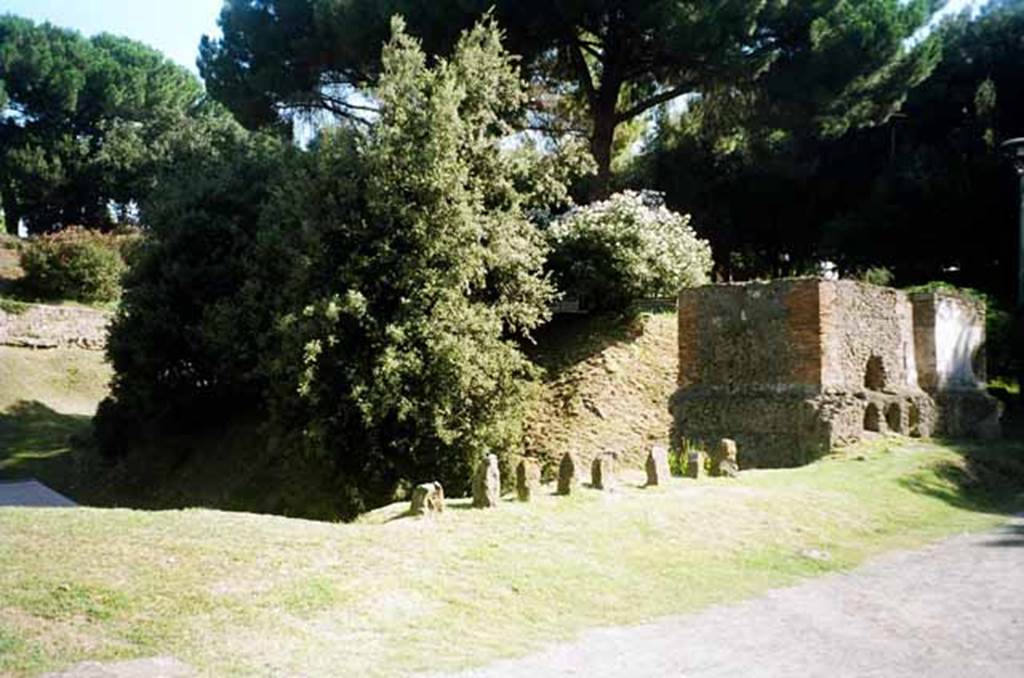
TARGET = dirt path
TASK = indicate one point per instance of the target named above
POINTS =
(953, 609)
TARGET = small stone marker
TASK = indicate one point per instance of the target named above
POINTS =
(602, 471)
(527, 479)
(695, 463)
(657, 466)
(567, 474)
(724, 461)
(487, 483)
(427, 498)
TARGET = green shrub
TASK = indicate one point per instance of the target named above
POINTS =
(185, 339)
(628, 247)
(76, 264)
(876, 275)
(368, 295)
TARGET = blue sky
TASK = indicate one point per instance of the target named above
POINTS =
(172, 26)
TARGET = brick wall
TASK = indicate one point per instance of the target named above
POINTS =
(862, 322)
(757, 334)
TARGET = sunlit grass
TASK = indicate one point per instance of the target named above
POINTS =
(234, 593)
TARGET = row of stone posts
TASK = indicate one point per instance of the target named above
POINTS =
(429, 497)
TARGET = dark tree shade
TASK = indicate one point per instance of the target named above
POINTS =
(927, 194)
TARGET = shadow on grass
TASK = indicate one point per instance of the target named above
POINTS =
(39, 442)
(32, 433)
(988, 477)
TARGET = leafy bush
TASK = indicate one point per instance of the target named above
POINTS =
(876, 275)
(77, 264)
(184, 343)
(628, 247)
(368, 294)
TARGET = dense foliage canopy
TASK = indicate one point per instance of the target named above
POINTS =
(595, 65)
(82, 123)
(903, 195)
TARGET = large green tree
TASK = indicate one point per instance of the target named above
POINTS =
(82, 120)
(597, 64)
(366, 295)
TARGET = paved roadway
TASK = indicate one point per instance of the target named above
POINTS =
(954, 609)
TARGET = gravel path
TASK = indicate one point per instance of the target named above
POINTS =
(953, 609)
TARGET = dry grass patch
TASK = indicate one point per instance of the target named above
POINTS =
(607, 386)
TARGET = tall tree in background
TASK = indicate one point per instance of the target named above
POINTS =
(598, 64)
(81, 121)
(941, 170)
(780, 198)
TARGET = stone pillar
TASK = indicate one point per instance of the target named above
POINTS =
(567, 478)
(527, 479)
(695, 463)
(724, 459)
(657, 469)
(487, 483)
(602, 471)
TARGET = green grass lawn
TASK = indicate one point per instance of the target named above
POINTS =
(243, 594)
(47, 399)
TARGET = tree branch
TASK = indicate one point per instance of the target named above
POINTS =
(583, 71)
(590, 48)
(651, 102)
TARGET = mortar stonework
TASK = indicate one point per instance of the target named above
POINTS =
(790, 369)
(41, 326)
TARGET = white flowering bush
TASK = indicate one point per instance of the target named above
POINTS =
(628, 247)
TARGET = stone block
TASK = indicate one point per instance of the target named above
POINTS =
(487, 483)
(657, 466)
(527, 479)
(427, 498)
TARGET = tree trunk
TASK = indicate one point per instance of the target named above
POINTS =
(11, 215)
(604, 114)
(601, 141)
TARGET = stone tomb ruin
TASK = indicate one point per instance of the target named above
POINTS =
(790, 369)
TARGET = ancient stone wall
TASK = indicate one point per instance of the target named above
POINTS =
(949, 334)
(791, 369)
(758, 334)
(867, 338)
(40, 326)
